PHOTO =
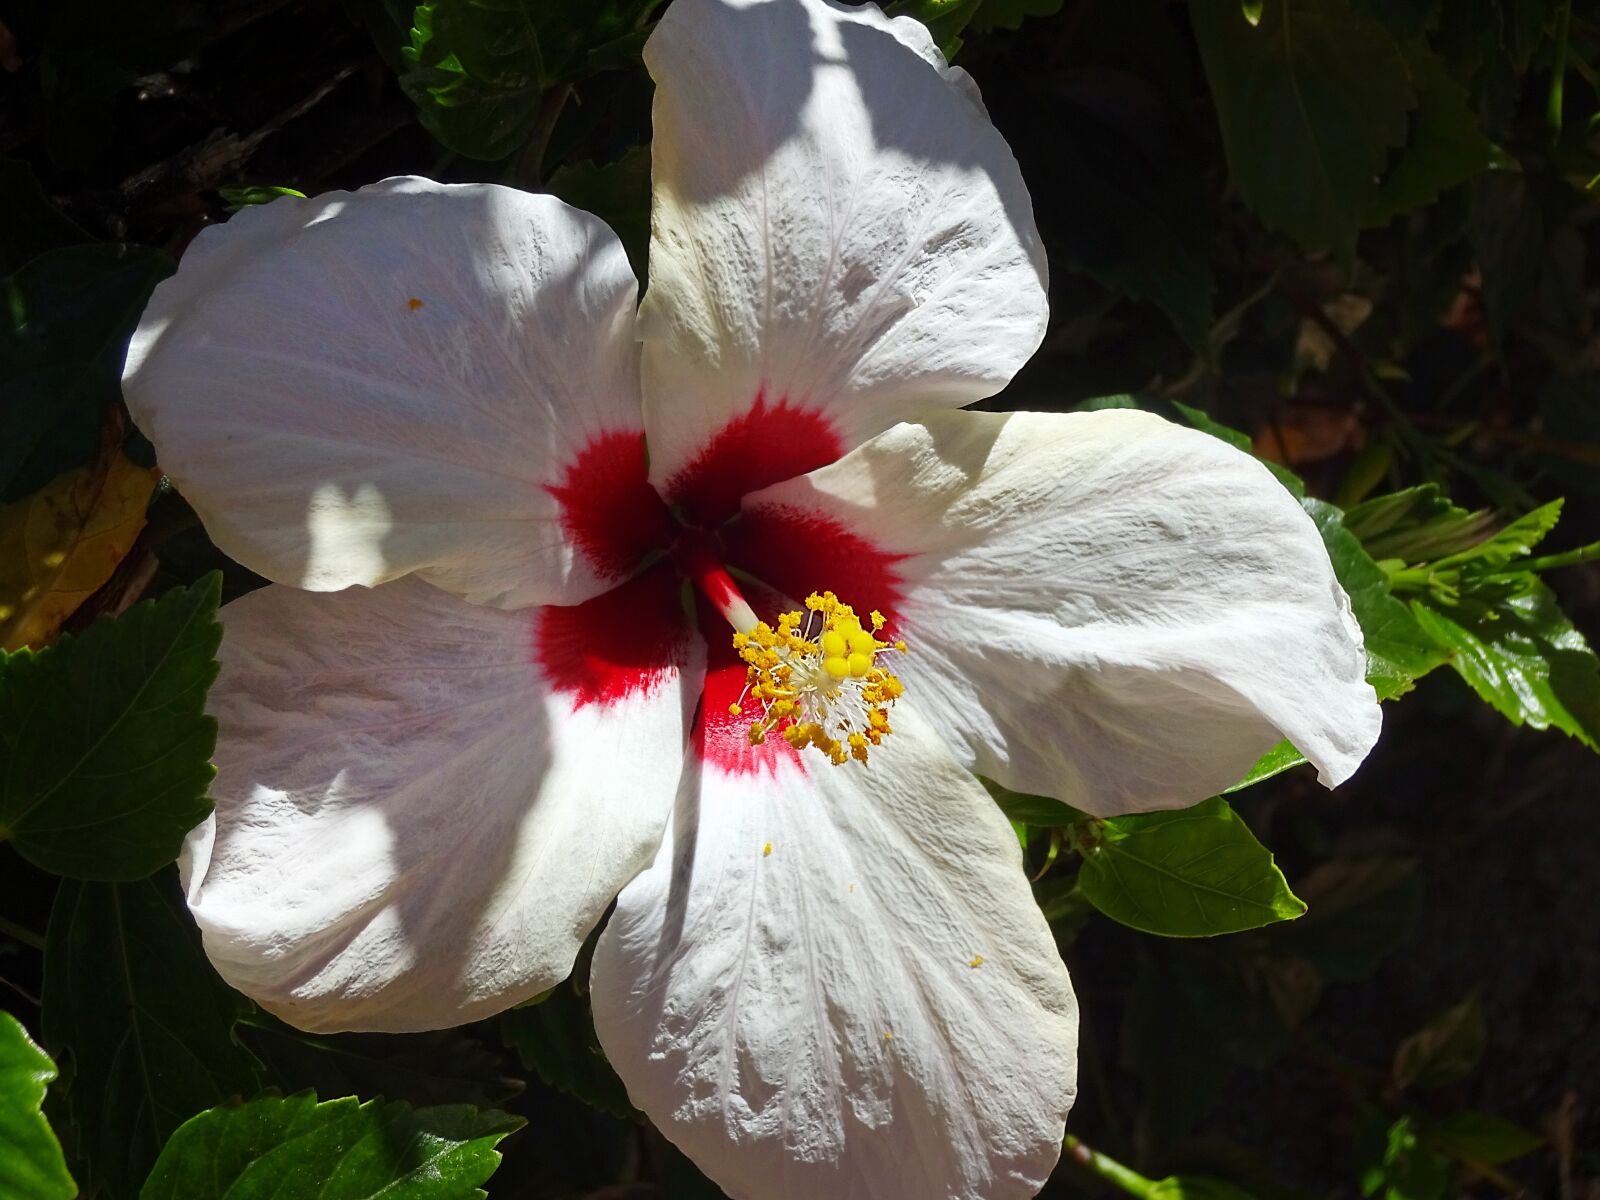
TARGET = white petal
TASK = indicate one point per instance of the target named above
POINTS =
(840, 238)
(364, 385)
(1102, 607)
(423, 805)
(806, 1021)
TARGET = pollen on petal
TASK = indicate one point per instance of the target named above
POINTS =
(414, 303)
(977, 961)
(766, 850)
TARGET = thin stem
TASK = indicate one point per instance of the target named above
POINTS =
(1549, 562)
(1108, 1169)
(529, 168)
(21, 933)
(1558, 70)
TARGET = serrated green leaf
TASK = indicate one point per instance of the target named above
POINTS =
(1399, 1165)
(1417, 524)
(556, 1038)
(1311, 101)
(478, 69)
(31, 1164)
(619, 194)
(1480, 1137)
(1445, 1050)
(105, 749)
(1399, 649)
(1194, 872)
(128, 994)
(1509, 543)
(64, 326)
(1523, 657)
(342, 1149)
(1447, 144)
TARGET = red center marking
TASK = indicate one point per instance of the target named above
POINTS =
(634, 637)
(763, 446)
(622, 643)
(608, 507)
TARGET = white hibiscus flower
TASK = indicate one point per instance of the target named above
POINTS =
(475, 706)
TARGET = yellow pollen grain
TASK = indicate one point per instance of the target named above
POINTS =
(977, 961)
(888, 1036)
(413, 304)
(766, 850)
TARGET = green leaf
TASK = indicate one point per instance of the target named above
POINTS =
(1310, 101)
(1274, 762)
(556, 1038)
(63, 335)
(1416, 524)
(1444, 1051)
(1189, 873)
(619, 194)
(478, 69)
(1509, 543)
(147, 1023)
(1130, 218)
(1400, 649)
(1399, 1165)
(1361, 910)
(1523, 657)
(248, 196)
(104, 745)
(1010, 14)
(1479, 1137)
(30, 1157)
(1031, 810)
(338, 1150)
(1447, 144)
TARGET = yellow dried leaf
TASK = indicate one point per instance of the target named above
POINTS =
(59, 545)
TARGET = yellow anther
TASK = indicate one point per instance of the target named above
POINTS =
(767, 849)
(818, 680)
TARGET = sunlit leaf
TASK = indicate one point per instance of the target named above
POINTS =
(31, 1165)
(338, 1150)
(1524, 657)
(59, 545)
(1193, 872)
(105, 748)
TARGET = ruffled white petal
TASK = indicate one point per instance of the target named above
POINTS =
(1104, 607)
(415, 827)
(834, 984)
(364, 385)
(837, 230)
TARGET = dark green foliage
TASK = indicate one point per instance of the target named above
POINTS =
(145, 1024)
(337, 1150)
(104, 746)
